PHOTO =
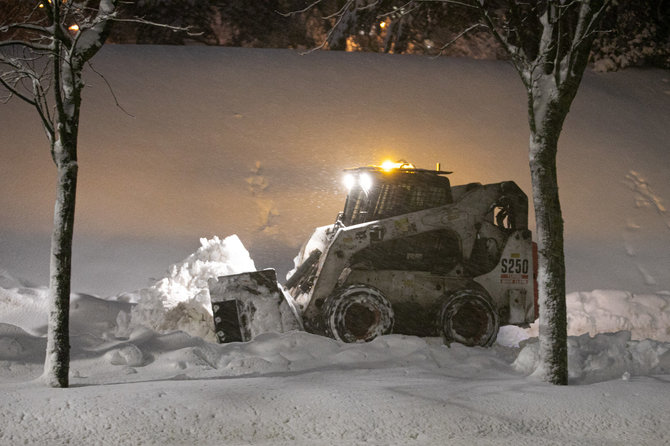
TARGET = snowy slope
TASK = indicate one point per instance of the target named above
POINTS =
(252, 142)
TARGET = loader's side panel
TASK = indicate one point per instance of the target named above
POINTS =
(416, 296)
(436, 251)
(511, 282)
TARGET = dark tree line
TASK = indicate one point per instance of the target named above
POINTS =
(258, 23)
(637, 33)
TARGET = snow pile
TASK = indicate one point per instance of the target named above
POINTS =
(180, 301)
(645, 316)
(604, 357)
(271, 353)
(23, 307)
(7, 281)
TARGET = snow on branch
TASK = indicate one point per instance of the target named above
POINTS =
(142, 21)
(515, 52)
(25, 26)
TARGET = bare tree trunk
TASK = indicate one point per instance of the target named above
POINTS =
(57, 364)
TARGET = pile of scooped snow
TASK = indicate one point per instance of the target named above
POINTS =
(180, 301)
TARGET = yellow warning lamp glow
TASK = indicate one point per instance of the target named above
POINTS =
(389, 165)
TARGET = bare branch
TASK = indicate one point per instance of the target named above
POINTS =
(340, 16)
(15, 92)
(299, 11)
(404, 10)
(111, 90)
(461, 34)
(23, 43)
(450, 2)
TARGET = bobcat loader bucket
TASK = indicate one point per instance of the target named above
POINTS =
(248, 304)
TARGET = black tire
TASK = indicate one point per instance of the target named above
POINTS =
(469, 317)
(358, 313)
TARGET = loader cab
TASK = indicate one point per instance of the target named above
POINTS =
(377, 192)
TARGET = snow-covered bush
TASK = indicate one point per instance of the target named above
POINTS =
(634, 34)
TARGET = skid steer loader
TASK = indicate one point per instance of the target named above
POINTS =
(408, 254)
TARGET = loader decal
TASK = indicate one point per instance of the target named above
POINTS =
(514, 279)
(514, 265)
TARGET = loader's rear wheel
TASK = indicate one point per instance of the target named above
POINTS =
(469, 317)
(358, 313)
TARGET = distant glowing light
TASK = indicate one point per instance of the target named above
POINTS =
(365, 180)
(382, 25)
(349, 181)
(74, 27)
(41, 5)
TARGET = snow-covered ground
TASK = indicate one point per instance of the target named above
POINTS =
(142, 372)
(252, 142)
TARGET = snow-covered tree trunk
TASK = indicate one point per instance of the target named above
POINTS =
(55, 92)
(67, 34)
(56, 366)
(64, 153)
(549, 44)
(68, 66)
(546, 121)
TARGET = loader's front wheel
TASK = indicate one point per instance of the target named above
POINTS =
(358, 313)
(469, 317)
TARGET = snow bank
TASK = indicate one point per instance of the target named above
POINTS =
(166, 331)
(604, 357)
(23, 306)
(645, 316)
(612, 334)
(180, 301)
